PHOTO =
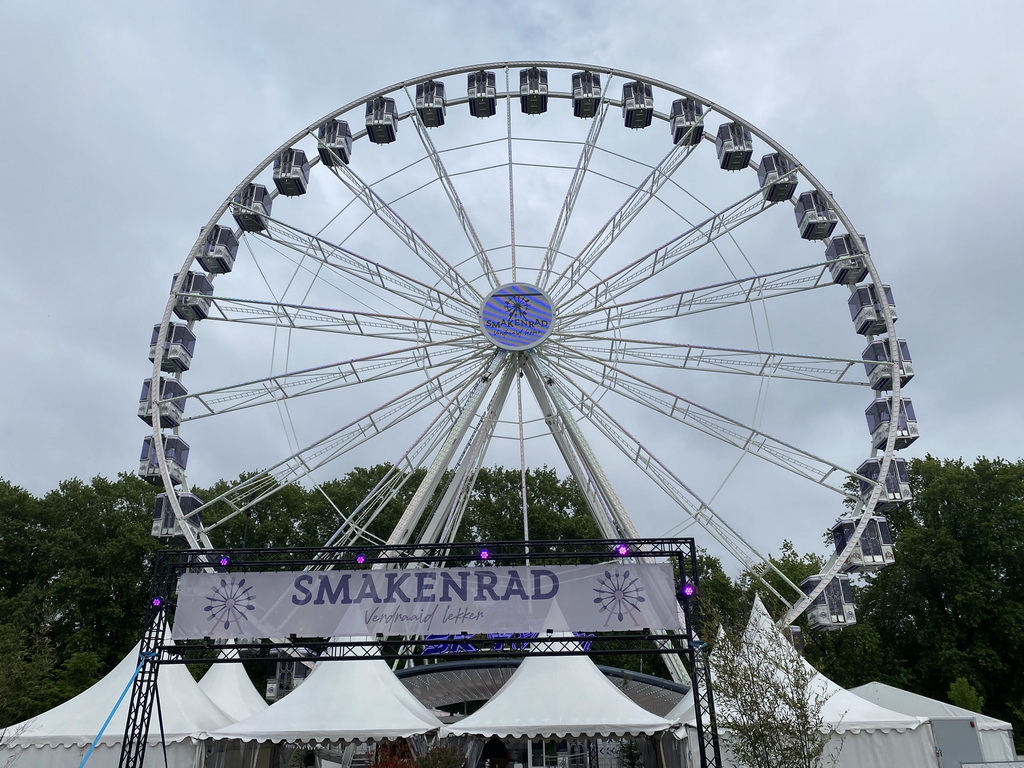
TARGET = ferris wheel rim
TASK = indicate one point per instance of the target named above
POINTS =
(886, 453)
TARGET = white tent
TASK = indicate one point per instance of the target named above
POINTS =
(229, 687)
(63, 735)
(994, 736)
(864, 733)
(341, 701)
(559, 696)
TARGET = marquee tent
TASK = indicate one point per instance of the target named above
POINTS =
(994, 736)
(864, 733)
(229, 687)
(63, 735)
(558, 696)
(341, 701)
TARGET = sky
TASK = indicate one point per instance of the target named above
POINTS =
(126, 125)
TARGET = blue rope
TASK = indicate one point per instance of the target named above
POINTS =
(145, 657)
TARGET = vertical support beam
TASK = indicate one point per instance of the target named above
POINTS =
(697, 650)
(140, 706)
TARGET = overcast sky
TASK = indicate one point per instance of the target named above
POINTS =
(124, 125)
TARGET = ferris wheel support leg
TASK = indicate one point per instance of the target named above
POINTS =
(583, 464)
(468, 464)
(407, 523)
(599, 510)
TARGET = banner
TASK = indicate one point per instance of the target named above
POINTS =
(427, 601)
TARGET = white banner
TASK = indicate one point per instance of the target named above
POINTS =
(427, 601)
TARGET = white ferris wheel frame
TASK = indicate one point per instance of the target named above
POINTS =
(496, 372)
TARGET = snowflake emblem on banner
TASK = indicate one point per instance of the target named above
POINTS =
(619, 595)
(229, 603)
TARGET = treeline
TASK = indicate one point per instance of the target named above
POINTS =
(946, 620)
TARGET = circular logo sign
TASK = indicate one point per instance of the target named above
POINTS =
(517, 316)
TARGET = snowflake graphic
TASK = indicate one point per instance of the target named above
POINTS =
(517, 306)
(229, 602)
(619, 595)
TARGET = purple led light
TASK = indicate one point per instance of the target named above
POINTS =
(484, 554)
(621, 550)
(689, 589)
(360, 559)
(225, 561)
(157, 602)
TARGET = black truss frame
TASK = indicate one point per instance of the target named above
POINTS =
(171, 564)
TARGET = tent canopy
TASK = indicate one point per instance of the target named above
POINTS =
(186, 711)
(915, 704)
(229, 687)
(352, 700)
(559, 696)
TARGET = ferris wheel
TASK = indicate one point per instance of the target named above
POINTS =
(526, 263)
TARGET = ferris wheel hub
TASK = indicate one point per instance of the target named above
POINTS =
(517, 316)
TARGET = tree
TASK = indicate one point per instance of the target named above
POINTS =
(768, 706)
(950, 607)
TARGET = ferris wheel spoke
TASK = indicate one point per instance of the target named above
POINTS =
(479, 252)
(389, 283)
(644, 192)
(569, 204)
(304, 462)
(301, 317)
(697, 510)
(657, 261)
(423, 251)
(314, 381)
(711, 423)
(745, 290)
(677, 356)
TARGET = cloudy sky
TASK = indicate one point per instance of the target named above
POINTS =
(125, 125)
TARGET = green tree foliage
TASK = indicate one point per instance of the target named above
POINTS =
(963, 694)
(950, 606)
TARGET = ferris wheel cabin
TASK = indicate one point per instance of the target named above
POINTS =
(637, 104)
(866, 309)
(176, 454)
(846, 260)
(334, 143)
(251, 208)
(815, 216)
(832, 609)
(686, 121)
(165, 522)
(533, 90)
(896, 492)
(170, 410)
(872, 552)
(381, 120)
(775, 174)
(879, 414)
(734, 144)
(880, 371)
(586, 94)
(193, 301)
(483, 98)
(179, 346)
(291, 173)
(430, 103)
(218, 252)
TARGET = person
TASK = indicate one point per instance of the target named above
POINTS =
(496, 753)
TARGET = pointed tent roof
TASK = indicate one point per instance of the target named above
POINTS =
(186, 711)
(913, 703)
(844, 711)
(351, 700)
(559, 696)
(229, 687)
